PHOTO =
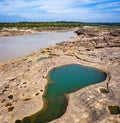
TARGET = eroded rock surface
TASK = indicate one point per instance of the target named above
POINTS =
(22, 81)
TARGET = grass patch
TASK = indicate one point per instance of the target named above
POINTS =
(114, 109)
(104, 90)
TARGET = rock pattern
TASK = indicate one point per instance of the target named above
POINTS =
(22, 81)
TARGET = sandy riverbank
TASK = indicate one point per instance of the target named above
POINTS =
(22, 81)
(15, 31)
(24, 31)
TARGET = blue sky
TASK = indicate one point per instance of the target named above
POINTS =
(60, 10)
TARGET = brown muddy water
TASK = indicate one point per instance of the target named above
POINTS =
(18, 46)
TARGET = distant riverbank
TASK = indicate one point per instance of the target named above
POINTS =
(21, 28)
(13, 31)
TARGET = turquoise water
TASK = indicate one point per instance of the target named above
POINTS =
(62, 81)
(43, 58)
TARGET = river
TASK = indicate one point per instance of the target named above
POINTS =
(12, 47)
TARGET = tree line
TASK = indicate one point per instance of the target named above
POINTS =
(54, 24)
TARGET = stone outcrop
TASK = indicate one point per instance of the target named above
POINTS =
(87, 31)
(115, 33)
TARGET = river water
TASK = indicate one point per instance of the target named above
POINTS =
(18, 46)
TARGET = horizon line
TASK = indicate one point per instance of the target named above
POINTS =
(55, 22)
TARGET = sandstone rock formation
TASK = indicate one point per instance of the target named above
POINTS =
(22, 81)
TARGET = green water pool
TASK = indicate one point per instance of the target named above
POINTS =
(43, 58)
(62, 81)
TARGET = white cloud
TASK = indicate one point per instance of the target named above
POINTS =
(112, 4)
(58, 8)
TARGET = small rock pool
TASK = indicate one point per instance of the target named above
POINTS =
(43, 59)
(62, 81)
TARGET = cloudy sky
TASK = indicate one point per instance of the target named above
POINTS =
(60, 10)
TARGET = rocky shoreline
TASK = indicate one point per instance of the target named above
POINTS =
(22, 81)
